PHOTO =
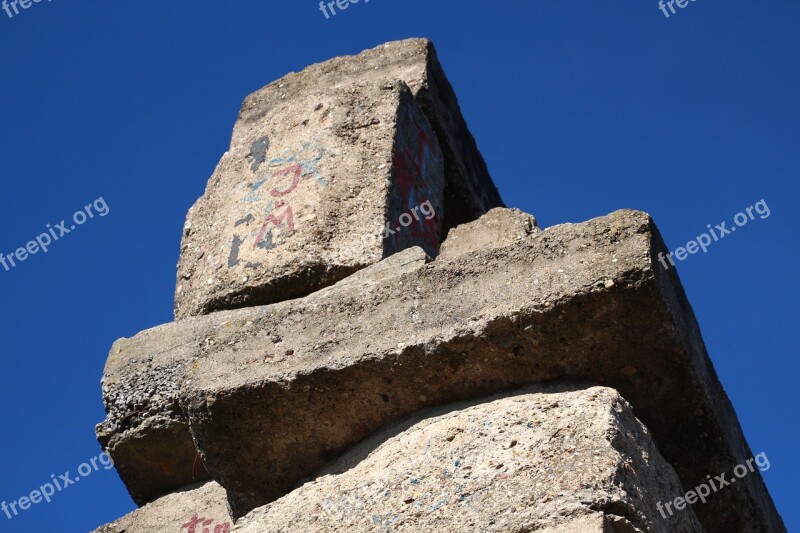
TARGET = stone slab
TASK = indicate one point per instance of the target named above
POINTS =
(275, 392)
(577, 301)
(559, 459)
(146, 431)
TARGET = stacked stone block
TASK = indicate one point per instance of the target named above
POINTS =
(332, 367)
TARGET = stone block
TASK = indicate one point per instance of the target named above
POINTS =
(577, 301)
(496, 229)
(330, 170)
(561, 459)
(327, 183)
(146, 431)
(275, 392)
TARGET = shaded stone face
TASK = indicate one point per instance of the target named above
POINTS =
(558, 458)
(330, 170)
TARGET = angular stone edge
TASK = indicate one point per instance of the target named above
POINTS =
(634, 485)
(146, 430)
(438, 100)
(318, 257)
(701, 448)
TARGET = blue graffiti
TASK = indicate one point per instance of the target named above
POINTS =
(253, 196)
(307, 164)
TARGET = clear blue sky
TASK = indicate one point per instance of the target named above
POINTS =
(580, 108)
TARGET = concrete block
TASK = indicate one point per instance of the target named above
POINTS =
(561, 459)
(275, 392)
(330, 170)
(347, 176)
(577, 301)
(146, 431)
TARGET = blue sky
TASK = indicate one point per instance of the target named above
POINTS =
(580, 108)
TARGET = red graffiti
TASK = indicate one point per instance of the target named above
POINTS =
(295, 170)
(195, 521)
(287, 215)
(410, 171)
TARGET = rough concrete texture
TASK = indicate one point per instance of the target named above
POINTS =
(275, 392)
(579, 301)
(319, 163)
(311, 208)
(496, 229)
(469, 191)
(194, 509)
(558, 458)
(145, 430)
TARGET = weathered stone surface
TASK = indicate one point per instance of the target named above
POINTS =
(469, 191)
(275, 392)
(194, 509)
(559, 459)
(320, 162)
(146, 431)
(577, 301)
(496, 229)
(312, 208)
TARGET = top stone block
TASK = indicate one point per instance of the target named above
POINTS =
(331, 170)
